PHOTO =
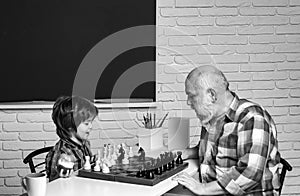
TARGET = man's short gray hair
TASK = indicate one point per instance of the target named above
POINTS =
(208, 77)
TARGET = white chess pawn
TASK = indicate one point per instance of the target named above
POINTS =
(105, 168)
(87, 164)
(112, 162)
(130, 153)
(125, 160)
(97, 166)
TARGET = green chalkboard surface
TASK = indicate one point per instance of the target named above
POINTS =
(44, 42)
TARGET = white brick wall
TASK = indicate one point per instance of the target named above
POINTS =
(255, 42)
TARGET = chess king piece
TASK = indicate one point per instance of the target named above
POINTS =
(87, 164)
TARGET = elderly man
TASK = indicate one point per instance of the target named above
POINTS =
(238, 149)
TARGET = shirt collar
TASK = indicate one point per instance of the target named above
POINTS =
(230, 114)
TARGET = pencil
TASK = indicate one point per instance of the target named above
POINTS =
(161, 123)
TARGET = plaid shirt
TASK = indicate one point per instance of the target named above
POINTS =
(68, 147)
(241, 151)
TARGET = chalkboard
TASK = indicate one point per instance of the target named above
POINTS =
(43, 43)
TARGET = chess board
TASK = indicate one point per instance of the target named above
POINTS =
(127, 172)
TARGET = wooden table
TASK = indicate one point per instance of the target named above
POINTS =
(78, 186)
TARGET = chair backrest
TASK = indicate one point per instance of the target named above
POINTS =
(29, 158)
(285, 167)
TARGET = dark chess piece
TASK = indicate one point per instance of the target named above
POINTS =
(158, 167)
(156, 171)
(122, 154)
(139, 174)
(142, 155)
(159, 171)
(163, 162)
(179, 158)
(149, 174)
(172, 162)
(143, 172)
(165, 167)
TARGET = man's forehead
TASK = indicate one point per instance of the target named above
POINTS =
(189, 88)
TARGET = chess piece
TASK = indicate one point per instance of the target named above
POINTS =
(158, 167)
(167, 161)
(87, 164)
(107, 162)
(172, 160)
(97, 167)
(179, 159)
(105, 151)
(121, 154)
(169, 167)
(141, 153)
(105, 168)
(143, 172)
(98, 155)
(149, 174)
(108, 151)
(130, 153)
(114, 156)
(139, 173)
(126, 158)
(112, 161)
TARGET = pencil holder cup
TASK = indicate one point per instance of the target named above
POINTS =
(150, 139)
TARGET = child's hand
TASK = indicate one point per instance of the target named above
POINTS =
(65, 165)
(64, 173)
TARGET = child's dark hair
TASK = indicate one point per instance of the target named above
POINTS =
(69, 111)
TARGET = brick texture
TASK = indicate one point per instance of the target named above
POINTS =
(256, 43)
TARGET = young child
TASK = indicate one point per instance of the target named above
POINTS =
(73, 118)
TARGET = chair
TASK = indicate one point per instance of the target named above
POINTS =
(29, 158)
(285, 167)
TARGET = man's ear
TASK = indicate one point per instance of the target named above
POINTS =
(212, 94)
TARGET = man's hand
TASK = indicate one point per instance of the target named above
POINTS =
(210, 188)
(190, 183)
